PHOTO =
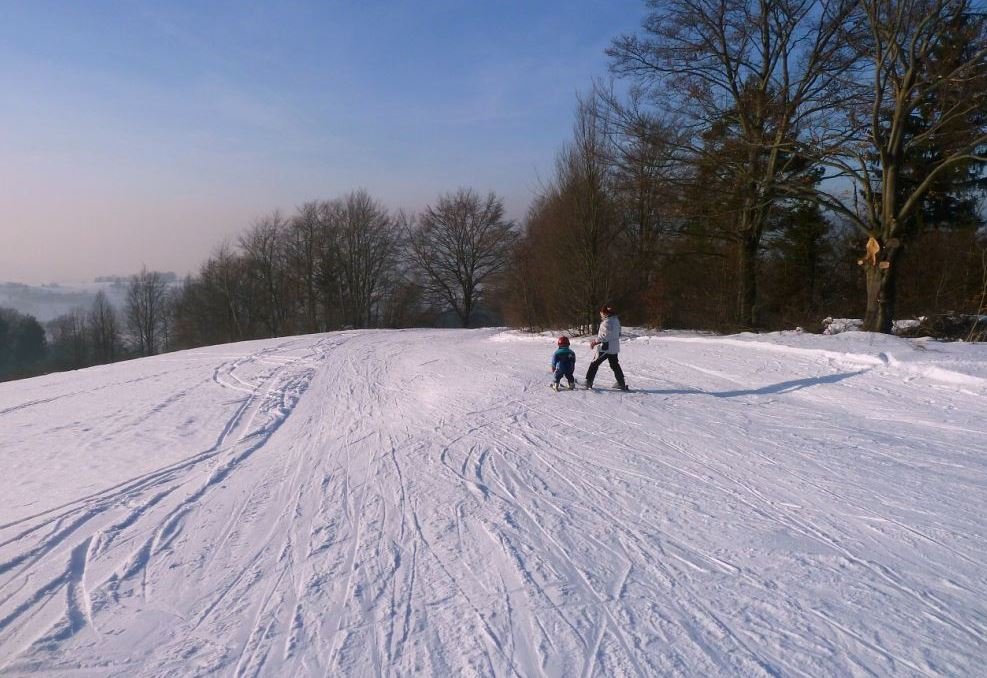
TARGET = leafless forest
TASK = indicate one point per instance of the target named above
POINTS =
(747, 165)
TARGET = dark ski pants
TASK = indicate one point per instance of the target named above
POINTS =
(614, 365)
(567, 371)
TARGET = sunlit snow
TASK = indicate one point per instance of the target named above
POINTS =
(420, 502)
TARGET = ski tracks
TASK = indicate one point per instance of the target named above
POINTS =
(64, 572)
(401, 503)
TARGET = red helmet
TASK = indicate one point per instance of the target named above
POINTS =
(563, 341)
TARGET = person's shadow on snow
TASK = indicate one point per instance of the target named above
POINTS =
(781, 387)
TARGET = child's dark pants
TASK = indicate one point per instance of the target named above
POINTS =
(565, 370)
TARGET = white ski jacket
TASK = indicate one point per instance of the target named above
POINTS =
(608, 336)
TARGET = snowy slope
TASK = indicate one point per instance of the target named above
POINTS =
(419, 502)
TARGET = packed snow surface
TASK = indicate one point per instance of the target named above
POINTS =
(420, 502)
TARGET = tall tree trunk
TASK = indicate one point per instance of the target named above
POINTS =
(313, 314)
(886, 301)
(881, 294)
(882, 276)
(873, 277)
(747, 315)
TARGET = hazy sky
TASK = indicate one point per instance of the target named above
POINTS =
(147, 132)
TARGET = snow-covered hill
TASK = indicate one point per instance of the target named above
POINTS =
(419, 502)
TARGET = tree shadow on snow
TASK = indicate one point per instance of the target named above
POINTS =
(781, 387)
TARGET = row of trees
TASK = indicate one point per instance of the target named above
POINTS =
(96, 335)
(104, 334)
(756, 164)
(759, 141)
(349, 263)
(342, 263)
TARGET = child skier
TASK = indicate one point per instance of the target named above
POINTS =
(607, 344)
(564, 364)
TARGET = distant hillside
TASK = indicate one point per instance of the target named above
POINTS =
(46, 302)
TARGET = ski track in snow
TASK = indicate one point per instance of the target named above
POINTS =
(419, 502)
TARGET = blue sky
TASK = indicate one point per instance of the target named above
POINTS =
(139, 133)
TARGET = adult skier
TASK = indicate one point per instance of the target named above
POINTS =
(606, 346)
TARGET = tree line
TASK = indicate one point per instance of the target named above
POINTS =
(753, 164)
(23, 346)
(350, 263)
(345, 263)
(96, 335)
(758, 162)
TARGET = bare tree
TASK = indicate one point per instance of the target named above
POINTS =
(104, 330)
(144, 310)
(169, 313)
(70, 345)
(224, 278)
(458, 244)
(759, 74)
(265, 260)
(582, 202)
(302, 251)
(920, 54)
(365, 242)
(648, 178)
(328, 279)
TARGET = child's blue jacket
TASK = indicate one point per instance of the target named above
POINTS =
(563, 357)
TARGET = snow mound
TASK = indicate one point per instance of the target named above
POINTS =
(840, 325)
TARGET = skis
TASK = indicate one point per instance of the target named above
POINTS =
(556, 387)
(589, 387)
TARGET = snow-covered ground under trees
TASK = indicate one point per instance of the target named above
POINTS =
(420, 502)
